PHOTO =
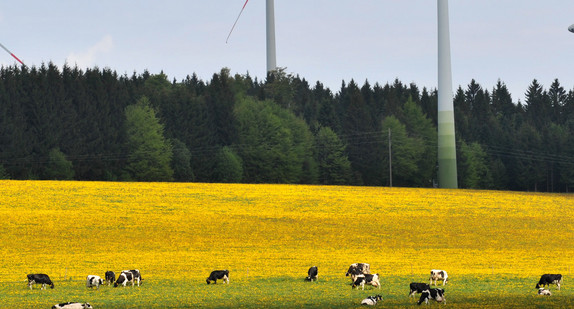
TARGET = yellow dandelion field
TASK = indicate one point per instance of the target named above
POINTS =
(75, 228)
(184, 230)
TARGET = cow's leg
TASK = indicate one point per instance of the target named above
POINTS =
(30, 283)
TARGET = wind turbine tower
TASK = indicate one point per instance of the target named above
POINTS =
(447, 174)
(271, 59)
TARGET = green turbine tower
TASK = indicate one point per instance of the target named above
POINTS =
(447, 173)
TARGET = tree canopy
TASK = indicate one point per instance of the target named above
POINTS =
(97, 125)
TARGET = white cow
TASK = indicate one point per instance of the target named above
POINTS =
(94, 281)
(69, 305)
(437, 274)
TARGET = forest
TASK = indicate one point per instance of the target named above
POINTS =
(95, 124)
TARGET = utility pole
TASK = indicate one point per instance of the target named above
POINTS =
(390, 162)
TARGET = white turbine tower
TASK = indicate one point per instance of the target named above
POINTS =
(447, 173)
(271, 56)
(270, 25)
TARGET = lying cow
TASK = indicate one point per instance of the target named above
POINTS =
(371, 300)
(437, 274)
(94, 281)
(69, 305)
(543, 291)
(42, 279)
(549, 279)
(126, 276)
(361, 280)
(218, 274)
(110, 277)
(358, 269)
(313, 274)
(435, 294)
(417, 288)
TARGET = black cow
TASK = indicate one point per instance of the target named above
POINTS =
(313, 274)
(358, 269)
(548, 279)
(126, 276)
(110, 277)
(42, 279)
(417, 288)
(70, 305)
(218, 274)
(361, 280)
(435, 294)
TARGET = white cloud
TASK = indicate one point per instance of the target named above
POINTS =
(88, 57)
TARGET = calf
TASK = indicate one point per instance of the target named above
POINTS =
(94, 281)
(417, 288)
(437, 274)
(549, 279)
(371, 300)
(110, 277)
(69, 305)
(218, 274)
(436, 294)
(126, 276)
(543, 291)
(42, 279)
(313, 274)
(358, 269)
(361, 280)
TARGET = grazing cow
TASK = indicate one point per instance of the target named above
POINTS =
(543, 291)
(313, 274)
(437, 274)
(361, 280)
(371, 300)
(94, 281)
(110, 277)
(69, 305)
(126, 276)
(417, 288)
(436, 294)
(218, 274)
(358, 269)
(42, 279)
(549, 279)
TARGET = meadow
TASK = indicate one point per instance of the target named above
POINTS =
(494, 245)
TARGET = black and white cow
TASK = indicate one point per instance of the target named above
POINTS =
(70, 305)
(361, 280)
(126, 276)
(94, 281)
(358, 269)
(435, 294)
(313, 274)
(417, 288)
(548, 279)
(543, 291)
(42, 279)
(110, 277)
(437, 274)
(218, 274)
(371, 300)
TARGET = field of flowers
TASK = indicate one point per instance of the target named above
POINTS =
(269, 235)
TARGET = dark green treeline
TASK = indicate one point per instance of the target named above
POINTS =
(97, 125)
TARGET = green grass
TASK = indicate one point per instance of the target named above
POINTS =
(286, 292)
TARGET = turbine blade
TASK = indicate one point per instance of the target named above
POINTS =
(236, 21)
(11, 54)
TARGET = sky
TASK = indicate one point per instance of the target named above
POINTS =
(327, 41)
